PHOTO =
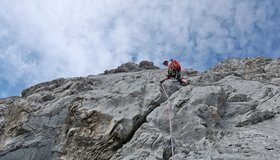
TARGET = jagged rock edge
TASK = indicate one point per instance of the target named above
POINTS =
(144, 119)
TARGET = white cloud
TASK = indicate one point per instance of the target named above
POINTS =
(41, 40)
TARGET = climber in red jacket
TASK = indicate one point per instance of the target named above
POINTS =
(174, 71)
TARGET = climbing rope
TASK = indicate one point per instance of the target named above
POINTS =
(170, 120)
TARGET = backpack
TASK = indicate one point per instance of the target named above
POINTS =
(175, 65)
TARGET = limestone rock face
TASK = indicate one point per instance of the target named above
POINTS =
(229, 112)
(259, 69)
(132, 67)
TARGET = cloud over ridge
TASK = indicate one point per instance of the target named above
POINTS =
(41, 40)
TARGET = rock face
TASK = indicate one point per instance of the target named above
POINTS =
(229, 112)
(132, 67)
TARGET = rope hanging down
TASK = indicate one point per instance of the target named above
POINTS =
(170, 120)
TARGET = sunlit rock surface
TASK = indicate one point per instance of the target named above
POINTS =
(229, 112)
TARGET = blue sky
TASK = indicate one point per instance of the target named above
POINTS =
(43, 40)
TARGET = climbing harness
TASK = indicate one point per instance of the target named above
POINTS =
(170, 120)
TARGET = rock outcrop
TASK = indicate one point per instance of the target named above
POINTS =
(229, 112)
(132, 67)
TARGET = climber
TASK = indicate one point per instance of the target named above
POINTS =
(174, 71)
